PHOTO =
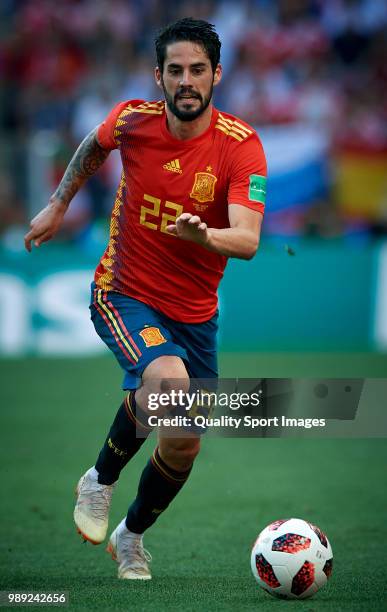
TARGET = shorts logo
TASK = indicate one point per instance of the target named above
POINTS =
(203, 189)
(152, 336)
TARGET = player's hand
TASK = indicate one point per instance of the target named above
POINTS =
(190, 227)
(45, 225)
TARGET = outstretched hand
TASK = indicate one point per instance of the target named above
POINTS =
(190, 227)
(45, 225)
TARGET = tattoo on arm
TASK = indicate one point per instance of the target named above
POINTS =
(85, 162)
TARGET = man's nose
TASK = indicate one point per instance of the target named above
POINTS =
(185, 80)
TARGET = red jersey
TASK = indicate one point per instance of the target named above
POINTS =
(162, 178)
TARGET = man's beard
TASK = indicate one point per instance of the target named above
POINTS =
(187, 115)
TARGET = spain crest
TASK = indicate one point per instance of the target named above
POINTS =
(152, 336)
(203, 189)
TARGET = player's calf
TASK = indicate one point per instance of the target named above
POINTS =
(128, 432)
(179, 453)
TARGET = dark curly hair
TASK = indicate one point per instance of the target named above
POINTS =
(193, 30)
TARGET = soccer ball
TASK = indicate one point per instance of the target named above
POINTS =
(291, 559)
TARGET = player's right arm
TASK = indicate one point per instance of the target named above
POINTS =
(86, 160)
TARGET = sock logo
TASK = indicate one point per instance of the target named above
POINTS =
(115, 449)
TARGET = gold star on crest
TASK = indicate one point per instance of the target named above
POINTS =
(209, 169)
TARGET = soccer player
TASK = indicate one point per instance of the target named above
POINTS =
(191, 195)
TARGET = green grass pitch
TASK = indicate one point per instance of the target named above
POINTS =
(54, 415)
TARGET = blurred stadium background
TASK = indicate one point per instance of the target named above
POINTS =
(311, 76)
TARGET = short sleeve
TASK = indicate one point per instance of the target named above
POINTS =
(105, 132)
(247, 185)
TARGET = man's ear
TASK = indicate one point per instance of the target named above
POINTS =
(157, 74)
(218, 74)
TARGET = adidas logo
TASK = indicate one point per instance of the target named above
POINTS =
(173, 166)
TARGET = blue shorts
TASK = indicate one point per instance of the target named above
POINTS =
(137, 334)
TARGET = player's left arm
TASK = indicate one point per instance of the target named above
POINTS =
(240, 240)
(246, 203)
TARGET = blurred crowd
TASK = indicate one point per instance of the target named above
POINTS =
(65, 63)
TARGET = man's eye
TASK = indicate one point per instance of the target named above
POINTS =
(174, 71)
(197, 70)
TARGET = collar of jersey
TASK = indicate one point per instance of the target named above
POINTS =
(191, 141)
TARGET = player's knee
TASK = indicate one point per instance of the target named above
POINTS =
(168, 371)
(175, 383)
(164, 375)
(179, 455)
